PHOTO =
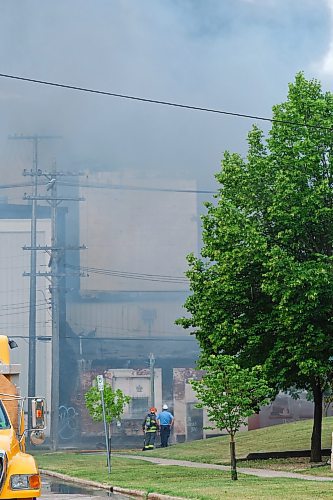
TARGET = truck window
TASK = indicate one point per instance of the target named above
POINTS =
(4, 421)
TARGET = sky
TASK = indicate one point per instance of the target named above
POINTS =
(233, 55)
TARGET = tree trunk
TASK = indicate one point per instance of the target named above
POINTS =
(233, 458)
(317, 424)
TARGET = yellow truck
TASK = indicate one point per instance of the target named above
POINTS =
(19, 475)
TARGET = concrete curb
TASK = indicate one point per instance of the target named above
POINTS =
(112, 489)
(158, 496)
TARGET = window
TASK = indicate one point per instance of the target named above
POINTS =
(138, 407)
(4, 421)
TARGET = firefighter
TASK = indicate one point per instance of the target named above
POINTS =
(150, 427)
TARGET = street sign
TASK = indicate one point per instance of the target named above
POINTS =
(100, 385)
(100, 382)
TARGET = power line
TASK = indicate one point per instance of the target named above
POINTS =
(135, 275)
(126, 274)
(11, 257)
(110, 328)
(122, 187)
(163, 103)
(39, 308)
(4, 324)
(107, 339)
(16, 185)
(20, 305)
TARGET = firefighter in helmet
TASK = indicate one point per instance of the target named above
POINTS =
(150, 427)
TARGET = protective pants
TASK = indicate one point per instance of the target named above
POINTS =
(150, 437)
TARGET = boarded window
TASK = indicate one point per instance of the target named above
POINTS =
(138, 407)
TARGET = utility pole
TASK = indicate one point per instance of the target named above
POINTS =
(33, 262)
(53, 199)
(55, 379)
(53, 275)
(32, 308)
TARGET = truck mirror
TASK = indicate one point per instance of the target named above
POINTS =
(38, 414)
(37, 437)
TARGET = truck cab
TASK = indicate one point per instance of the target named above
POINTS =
(19, 474)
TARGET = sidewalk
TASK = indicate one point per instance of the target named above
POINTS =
(243, 470)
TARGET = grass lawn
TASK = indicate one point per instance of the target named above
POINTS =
(201, 484)
(290, 436)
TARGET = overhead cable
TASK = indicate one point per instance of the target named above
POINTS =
(126, 274)
(163, 103)
(107, 339)
(123, 187)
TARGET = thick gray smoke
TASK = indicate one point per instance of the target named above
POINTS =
(236, 55)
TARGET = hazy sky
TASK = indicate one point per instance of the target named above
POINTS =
(235, 55)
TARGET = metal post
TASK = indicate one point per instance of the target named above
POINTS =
(152, 378)
(106, 434)
(55, 320)
(100, 386)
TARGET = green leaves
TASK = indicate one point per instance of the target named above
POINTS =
(262, 289)
(231, 393)
(115, 402)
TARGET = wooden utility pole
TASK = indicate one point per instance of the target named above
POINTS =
(55, 379)
(53, 275)
(54, 251)
(35, 139)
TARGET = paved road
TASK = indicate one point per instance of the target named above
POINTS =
(56, 490)
(54, 496)
(76, 496)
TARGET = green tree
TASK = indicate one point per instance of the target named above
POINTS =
(231, 394)
(263, 287)
(114, 401)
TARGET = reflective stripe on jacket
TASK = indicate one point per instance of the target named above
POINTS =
(149, 423)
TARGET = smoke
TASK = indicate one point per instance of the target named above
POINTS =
(234, 55)
(324, 67)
